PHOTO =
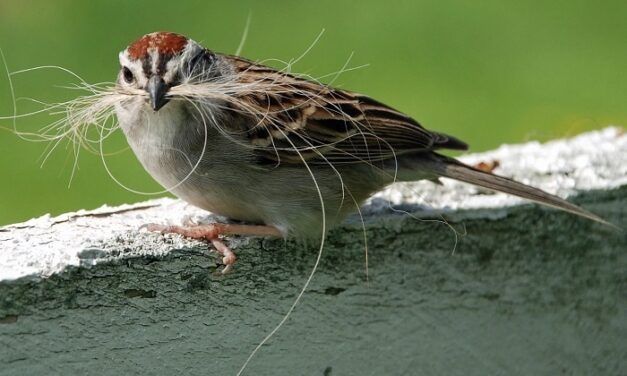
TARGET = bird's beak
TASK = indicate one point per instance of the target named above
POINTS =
(157, 89)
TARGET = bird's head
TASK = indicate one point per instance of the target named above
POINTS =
(159, 61)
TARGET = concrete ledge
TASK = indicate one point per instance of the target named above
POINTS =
(525, 290)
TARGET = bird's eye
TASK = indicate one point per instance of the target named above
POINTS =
(128, 75)
(200, 61)
(195, 60)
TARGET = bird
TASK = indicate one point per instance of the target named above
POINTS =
(282, 154)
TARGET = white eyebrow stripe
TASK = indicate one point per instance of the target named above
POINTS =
(170, 71)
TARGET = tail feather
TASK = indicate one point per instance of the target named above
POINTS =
(454, 169)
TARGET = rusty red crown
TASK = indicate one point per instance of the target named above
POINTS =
(165, 43)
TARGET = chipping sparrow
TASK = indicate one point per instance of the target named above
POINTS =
(263, 146)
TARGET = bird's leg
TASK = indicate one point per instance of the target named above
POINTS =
(212, 232)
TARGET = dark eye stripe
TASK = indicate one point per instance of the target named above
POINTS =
(162, 61)
(147, 65)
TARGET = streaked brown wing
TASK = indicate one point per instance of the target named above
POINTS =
(326, 124)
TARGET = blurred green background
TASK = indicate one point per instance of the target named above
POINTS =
(489, 72)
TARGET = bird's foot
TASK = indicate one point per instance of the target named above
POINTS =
(212, 233)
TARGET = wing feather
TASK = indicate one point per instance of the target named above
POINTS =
(296, 118)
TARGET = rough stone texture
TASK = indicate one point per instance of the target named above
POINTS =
(520, 290)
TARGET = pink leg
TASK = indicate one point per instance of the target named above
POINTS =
(212, 233)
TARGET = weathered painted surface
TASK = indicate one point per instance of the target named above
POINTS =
(521, 290)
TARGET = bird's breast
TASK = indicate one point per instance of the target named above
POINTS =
(193, 161)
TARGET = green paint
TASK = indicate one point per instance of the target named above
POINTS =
(537, 292)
